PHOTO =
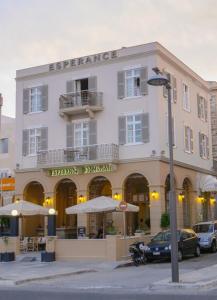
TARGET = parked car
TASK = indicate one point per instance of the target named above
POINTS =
(160, 245)
(207, 233)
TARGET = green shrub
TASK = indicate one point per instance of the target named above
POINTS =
(165, 220)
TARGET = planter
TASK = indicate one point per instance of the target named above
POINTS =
(7, 256)
(47, 256)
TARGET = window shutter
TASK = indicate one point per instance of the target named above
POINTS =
(122, 130)
(186, 138)
(26, 94)
(198, 106)
(207, 146)
(192, 141)
(44, 139)
(205, 109)
(165, 92)
(200, 145)
(44, 97)
(92, 84)
(143, 81)
(70, 86)
(92, 132)
(145, 127)
(70, 135)
(174, 87)
(121, 84)
(25, 142)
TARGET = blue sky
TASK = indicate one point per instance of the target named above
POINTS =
(35, 32)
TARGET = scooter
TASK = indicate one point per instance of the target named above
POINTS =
(137, 252)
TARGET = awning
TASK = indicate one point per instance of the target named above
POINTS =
(208, 183)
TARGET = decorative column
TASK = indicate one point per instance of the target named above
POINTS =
(157, 206)
(82, 219)
(117, 218)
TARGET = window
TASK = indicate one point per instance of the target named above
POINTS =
(81, 134)
(188, 137)
(186, 100)
(35, 99)
(202, 108)
(132, 83)
(4, 145)
(34, 140)
(134, 129)
(203, 145)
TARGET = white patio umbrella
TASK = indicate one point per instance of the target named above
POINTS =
(23, 208)
(101, 204)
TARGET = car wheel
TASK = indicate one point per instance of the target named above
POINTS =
(197, 251)
(180, 256)
(213, 247)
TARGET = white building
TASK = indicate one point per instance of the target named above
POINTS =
(92, 126)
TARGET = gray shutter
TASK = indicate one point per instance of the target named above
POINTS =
(70, 135)
(174, 87)
(205, 109)
(44, 97)
(207, 146)
(145, 127)
(92, 84)
(198, 106)
(122, 130)
(44, 139)
(143, 81)
(186, 137)
(200, 145)
(92, 132)
(25, 142)
(121, 84)
(26, 94)
(70, 86)
(165, 91)
(192, 141)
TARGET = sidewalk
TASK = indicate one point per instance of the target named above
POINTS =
(19, 272)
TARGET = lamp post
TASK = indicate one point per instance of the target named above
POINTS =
(159, 79)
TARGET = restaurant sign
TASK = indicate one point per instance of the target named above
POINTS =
(76, 62)
(77, 170)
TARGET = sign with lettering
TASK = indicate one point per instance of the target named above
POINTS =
(76, 170)
(76, 62)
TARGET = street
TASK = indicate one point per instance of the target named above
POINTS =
(123, 283)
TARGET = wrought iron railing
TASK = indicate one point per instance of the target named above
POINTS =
(103, 152)
(80, 99)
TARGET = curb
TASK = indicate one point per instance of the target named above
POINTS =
(8, 282)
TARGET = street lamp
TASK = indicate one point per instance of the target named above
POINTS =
(159, 79)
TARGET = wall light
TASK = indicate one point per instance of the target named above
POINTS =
(17, 200)
(48, 202)
(212, 200)
(81, 199)
(52, 211)
(154, 195)
(14, 213)
(181, 196)
(117, 196)
(200, 199)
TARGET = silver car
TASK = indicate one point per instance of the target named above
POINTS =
(207, 233)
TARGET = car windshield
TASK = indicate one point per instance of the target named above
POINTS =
(203, 228)
(164, 236)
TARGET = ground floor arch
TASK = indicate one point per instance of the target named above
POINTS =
(187, 203)
(136, 191)
(66, 196)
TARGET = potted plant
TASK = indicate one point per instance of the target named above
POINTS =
(165, 221)
(6, 256)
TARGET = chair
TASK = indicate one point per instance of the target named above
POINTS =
(24, 244)
(30, 244)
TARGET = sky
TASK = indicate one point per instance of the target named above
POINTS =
(37, 32)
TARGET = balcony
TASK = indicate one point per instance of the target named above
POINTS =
(80, 102)
(105, 153)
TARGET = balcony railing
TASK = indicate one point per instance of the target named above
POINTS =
(80, 99)
(78, 155)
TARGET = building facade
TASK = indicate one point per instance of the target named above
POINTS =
(91, 126)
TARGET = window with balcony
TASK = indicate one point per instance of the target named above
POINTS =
(81, 134)
(134, 129)
(4, 146)
(132, 83)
